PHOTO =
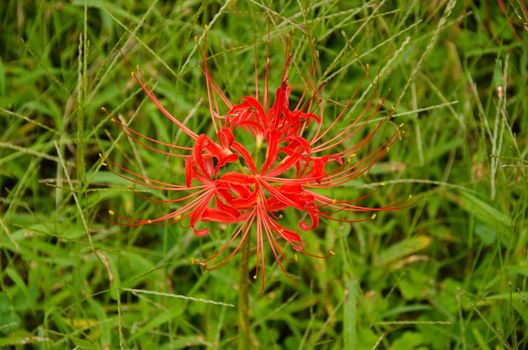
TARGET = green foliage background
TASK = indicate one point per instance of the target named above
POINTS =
(450, 272)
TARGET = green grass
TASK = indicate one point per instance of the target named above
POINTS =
(450, 272)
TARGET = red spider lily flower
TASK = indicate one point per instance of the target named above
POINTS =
(248, 185)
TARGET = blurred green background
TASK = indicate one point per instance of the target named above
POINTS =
(450, 272)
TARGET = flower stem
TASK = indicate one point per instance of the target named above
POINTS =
(244, 340)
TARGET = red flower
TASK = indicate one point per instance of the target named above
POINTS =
(293, 156)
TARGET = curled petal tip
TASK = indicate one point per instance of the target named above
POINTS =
(298, 248)
(304, 226)
(201, 233)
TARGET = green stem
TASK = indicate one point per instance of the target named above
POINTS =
(81, 100)
(244, 340)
